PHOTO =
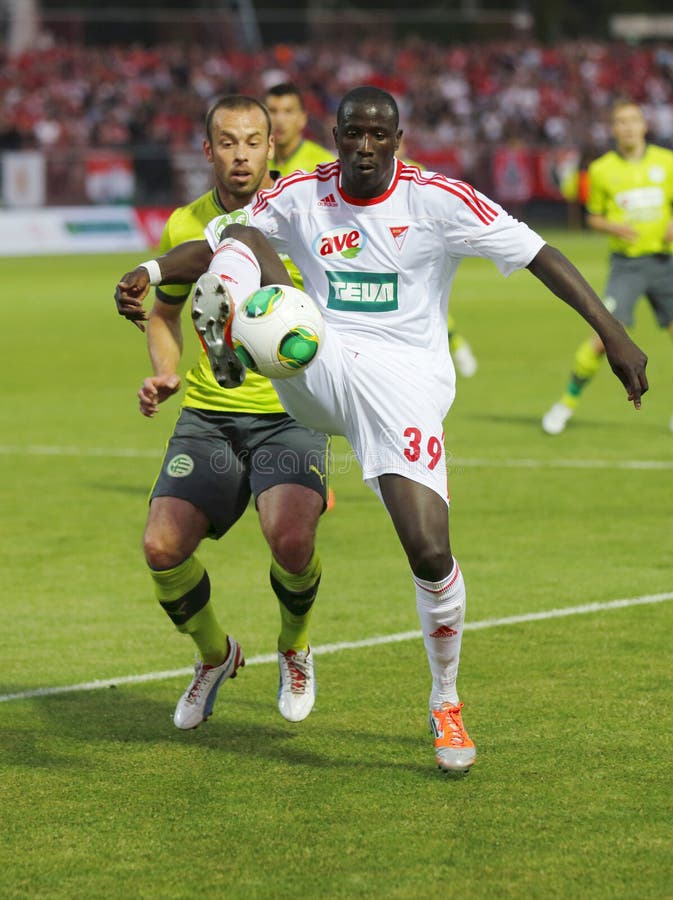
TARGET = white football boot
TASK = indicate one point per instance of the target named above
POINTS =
(297, 686)
(196, 704)
(213, 313)
(555, 419)
(465, 360)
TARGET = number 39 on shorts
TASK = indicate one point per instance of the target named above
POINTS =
(418, 445)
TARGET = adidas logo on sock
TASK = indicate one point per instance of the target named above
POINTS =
(444, 632)
(328, 201)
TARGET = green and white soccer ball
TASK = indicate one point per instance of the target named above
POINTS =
(277, 331)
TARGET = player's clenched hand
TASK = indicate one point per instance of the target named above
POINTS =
(130, 293)
(628, 362)
(155, 390)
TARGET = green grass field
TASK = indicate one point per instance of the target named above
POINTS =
(572, 794)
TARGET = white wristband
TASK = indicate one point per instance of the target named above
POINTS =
(153, 270)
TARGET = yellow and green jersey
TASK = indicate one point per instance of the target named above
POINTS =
(637, 193)
(307, 156)
(256, 394)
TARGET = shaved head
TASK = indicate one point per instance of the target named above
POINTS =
(368, 97)
(367, 136)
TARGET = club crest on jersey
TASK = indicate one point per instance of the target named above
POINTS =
(238, 217)
(399, 234)
(344, 242)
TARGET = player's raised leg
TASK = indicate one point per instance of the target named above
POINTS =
(233, 274)
(212, 314)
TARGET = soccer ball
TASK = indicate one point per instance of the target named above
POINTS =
(277, 331)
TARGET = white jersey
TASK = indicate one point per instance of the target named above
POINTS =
(382, 269)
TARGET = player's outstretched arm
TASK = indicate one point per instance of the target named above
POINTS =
(182, 264)
(626, 359)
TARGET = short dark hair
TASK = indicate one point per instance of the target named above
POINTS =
(235, 101)
(622, 102)
(367, 94)
(285, 89)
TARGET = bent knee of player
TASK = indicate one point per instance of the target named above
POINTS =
(292, 548)
(162, 554)
(597, 344)
(430, 561)
(250, 236)
(167, 548)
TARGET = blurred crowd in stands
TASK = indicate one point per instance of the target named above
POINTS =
(461, 100)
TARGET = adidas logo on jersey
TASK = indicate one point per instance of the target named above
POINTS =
(328, 202)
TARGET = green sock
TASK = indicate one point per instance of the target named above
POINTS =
(296, 595)
(184, 594)
(586, 364)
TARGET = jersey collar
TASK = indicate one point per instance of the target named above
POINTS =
(372, 201)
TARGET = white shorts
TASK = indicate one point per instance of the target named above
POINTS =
(389, 404)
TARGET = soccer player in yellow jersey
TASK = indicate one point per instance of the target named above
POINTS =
(631, 200)
(292, 150)
(228, 445)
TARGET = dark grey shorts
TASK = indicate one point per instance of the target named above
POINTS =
(217, 461)
(636, 277)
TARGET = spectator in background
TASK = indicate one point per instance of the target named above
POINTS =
(450, 96)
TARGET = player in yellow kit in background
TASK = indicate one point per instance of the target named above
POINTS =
(292, 150)
(228, 445)
(631, 200)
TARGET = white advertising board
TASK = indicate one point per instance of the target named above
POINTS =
(73, 229)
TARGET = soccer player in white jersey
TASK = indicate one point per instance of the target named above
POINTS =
(378, 244)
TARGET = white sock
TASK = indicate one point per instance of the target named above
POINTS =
(441, 609)
(236, 264)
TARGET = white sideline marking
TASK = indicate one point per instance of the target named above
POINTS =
(655, 464)
(349, 645)
(46, 450)
(341, 458)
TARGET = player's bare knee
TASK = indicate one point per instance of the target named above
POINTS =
(243, 233)
(292, 549)
(161, 554)
(430, 563)
(598, 344)
(246, 234)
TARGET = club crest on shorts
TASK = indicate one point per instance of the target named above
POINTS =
(180, 466)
